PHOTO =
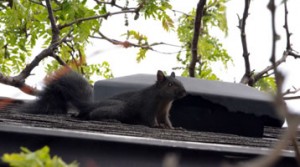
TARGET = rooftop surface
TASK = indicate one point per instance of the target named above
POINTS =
(63, 126)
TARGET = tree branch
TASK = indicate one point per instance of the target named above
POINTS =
(289, 91)
(19, 80)
(112, 3)
(127, 44)
(37, 2)
(286, 27)
(197, 32)
(18, 84)
(288, 52)
(275, 37)
(242, 24)
(58, 59)
(54, 28)
(292, 98)
(260, 74)
(292, 120)
(291, 52)
(289, 48)
(44, 53)
(94, 17)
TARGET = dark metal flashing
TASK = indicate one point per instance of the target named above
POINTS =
(224, 148)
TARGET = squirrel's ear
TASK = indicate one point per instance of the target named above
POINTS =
(172, 75)
(160, 76)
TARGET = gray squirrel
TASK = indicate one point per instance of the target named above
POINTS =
(149, 106)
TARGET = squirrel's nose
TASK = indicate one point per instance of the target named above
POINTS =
(181, 93)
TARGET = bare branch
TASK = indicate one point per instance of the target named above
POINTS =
(275, 37)
(261, 74)
(95, 17)
(293, 54)
(183, 13)
(197, 32)
(58, 59)
(242, 25)
(288, 52)
(289, 48)
(289, 91)
(18, 84)
(112, 3)
(286, 26)
(292, 120)
(128, 44)
(54, 28)
(292, 98)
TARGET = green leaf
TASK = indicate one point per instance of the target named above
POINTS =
(266, 84)
(40, 157)
(141, 54)
(167, 22)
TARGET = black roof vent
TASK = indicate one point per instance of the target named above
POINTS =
(210, 105)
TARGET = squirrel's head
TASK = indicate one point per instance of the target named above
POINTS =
(169, 86)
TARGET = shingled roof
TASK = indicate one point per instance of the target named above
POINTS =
(36, 130)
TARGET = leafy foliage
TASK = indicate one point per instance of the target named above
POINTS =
(19, 36)
(142, 41)
(266, 84)
(209, 48)
(26, 24)
(41, 157)
(157, 10)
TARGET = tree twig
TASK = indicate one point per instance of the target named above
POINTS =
(291, 98)
(54, 28)
(112, 3)
(94, 17)
(197, 32)
(261, 74)
(289, 91)
(128, 44)
(286, 27)
(36, 2)
(242, 25)
(272, 8)
(18, 84)
(44, 53)
(290, 52)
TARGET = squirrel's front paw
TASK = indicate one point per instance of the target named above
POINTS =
(179, 128)
(165, 126)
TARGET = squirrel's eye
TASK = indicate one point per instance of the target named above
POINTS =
(170, 84)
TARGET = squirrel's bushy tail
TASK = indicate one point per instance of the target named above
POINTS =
(62, 88)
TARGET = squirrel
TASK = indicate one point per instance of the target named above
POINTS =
(149, 106)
